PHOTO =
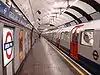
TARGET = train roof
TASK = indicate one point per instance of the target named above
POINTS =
(67, 29)
(70, 28)
(91, 25)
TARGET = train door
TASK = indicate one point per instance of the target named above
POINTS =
(74, 42)
(8, 50)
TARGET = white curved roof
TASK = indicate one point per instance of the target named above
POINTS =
(47, 8)
(91, 25)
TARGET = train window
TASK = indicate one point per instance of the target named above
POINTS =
(66, 36)
(87, 37)
(54, 35)
(75, 37)
(62, 34)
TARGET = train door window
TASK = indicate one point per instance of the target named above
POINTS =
(75, 37)
(87, 37)
(55, 36)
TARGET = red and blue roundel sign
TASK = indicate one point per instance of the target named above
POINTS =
(8, 45)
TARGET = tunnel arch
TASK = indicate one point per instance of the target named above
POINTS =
(93, 4)
(89, 18)
(66, 12)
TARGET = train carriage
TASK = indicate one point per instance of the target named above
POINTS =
(89, 46)
(82, 43)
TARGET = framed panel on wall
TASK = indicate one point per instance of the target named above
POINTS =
(21, 32)
(8, 43)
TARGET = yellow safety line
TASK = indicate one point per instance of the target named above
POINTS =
(69, 61)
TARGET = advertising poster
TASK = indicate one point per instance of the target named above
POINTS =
(29, 41)
(8, 43)
(21, 45)
(26, 43)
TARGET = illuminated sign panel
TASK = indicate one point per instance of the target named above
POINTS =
(10, 13)
(8, 50)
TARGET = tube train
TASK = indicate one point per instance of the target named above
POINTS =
(80, 42)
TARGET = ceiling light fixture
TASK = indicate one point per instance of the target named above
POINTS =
(56, 13)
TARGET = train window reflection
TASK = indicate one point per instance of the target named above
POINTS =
(75, 37)
(87, 38)
(65, 36)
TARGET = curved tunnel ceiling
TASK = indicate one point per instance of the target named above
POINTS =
(63, 19)
(89, 18)
(93, 3)
(77, 14)
(73, 16)
(85, 7)
(81, 9)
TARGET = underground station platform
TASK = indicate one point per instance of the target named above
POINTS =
(46, 59)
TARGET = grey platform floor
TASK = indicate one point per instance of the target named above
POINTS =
(44, 60)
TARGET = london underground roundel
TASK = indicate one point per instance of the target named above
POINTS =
(8, 50)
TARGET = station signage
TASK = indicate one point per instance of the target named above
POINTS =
(8, 49)
(9, 12)
(15, 17)
(3, 9)
(95, 55)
